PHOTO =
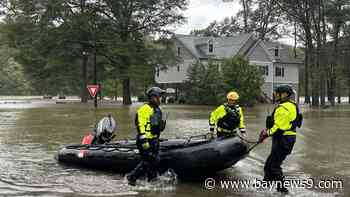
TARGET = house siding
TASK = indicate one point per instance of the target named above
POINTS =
(291, 73)
(259, 54)
(185, 54)
(255, 51)
(172, 74)
(268, 88)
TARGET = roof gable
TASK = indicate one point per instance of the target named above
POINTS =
(259, 53)
(224, 47)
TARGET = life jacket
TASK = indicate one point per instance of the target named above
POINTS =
(88, 139)
(157, 125)
(232, 118)
(296, 123)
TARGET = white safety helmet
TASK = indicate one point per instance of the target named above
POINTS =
(105, 128)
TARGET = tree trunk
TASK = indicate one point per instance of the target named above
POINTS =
(84, 92)
(339, 94)
(116, 90)
(348, 66)
(245, 13)
(322, 89)
(323, 54)
(126, 91)
(309, 60)
(349, 88)
(332, 81)
(125, 60)
(315, 91)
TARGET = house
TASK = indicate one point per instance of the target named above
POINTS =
(276, 60)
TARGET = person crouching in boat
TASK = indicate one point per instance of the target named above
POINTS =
(228, 118)
(103, 132)
(149, 125)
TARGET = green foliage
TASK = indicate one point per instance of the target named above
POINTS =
(244, 78)
(12, 79)
(262, 17)
(205, 84)
(51, 36)
(208, 84)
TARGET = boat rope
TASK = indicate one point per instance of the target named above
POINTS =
(255, 143)
(248, 141)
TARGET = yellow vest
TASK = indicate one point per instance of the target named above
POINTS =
(143, 120)
(283, 115)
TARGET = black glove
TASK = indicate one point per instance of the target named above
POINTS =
(263, 135)
(211, 128)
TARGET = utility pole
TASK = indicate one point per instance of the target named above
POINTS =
(95, 74)
(84, 77)
(95, 55)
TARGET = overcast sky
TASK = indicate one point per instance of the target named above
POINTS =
(202, 12)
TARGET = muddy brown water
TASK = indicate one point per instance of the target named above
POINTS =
(31, 133)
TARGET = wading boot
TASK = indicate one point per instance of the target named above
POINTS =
(131, 180)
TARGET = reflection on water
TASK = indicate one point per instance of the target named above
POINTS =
(31, 134)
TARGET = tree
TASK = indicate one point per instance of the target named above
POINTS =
(264, 20)
(337, 12)
(245, 13)
(228, 27)
(129, 18)
(12, 79)
(244, 78)
(205, 84)
(300, 12)
(209, 83)
(57, 35)
(48, 57)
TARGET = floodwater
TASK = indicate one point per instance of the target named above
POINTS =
(31, 133)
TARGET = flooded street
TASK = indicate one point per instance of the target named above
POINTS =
(32, 133)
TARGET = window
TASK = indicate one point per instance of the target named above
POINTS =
(279, 72)
(276, 52)
(178, 51)
(210, 46)
(178, 68)
(264, 70)
(157, 71)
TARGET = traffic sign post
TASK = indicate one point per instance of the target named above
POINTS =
(93, 90)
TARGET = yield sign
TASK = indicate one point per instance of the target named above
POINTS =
(93, 89)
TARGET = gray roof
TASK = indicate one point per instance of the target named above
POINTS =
(227, 47)
(224, 47)
(286, 54)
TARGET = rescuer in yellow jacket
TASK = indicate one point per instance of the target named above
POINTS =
(227, 118)
(149, 124)
(281, 125)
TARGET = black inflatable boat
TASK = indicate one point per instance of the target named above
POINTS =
(192, 157)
